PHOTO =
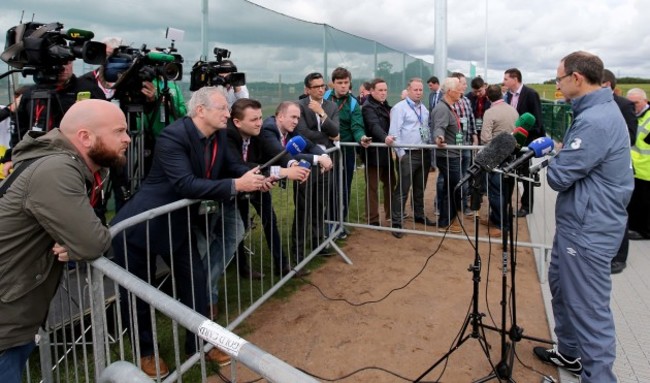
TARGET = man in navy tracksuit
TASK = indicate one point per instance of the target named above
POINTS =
(593, 176)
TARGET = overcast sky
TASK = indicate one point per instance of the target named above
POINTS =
(531, 35)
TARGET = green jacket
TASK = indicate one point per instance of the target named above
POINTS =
(156, 119)
(45, 204)
(350, 119)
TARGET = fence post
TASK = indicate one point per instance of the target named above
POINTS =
(98, 319)
(45, 352)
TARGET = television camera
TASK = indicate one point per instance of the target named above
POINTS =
(129, 67)
(42, 50)
(215, 73)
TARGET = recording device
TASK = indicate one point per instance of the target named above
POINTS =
(129, 67)
(43, 49)
(491, 156)
(215, 73)
(537, 148)
(295, 146)
(304, 164)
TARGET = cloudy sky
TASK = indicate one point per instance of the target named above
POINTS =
(531, 35)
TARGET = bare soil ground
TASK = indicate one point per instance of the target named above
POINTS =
(407, 331)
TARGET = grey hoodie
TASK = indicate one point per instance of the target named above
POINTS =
(47, 203)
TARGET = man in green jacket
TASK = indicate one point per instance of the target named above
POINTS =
(47, 218)
(350, 130)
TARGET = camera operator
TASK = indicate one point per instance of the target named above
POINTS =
(233, 93)
(45, 114)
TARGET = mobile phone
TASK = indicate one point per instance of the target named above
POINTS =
(83, 96)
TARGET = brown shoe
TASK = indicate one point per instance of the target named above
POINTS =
(148, 366)
(494, 232)
(217, 356)
(454, 228)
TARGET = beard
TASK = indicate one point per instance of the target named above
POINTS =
(104, 157)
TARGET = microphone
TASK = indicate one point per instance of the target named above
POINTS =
(538, 148)
(526, 121)
(521, 135)
(491, 156)
(77, 34)
(295, 146)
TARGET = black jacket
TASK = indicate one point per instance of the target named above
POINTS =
(179, 170)
(529, 102)
(627, 109)
(272, 138)
(376, 121)
(308, 123)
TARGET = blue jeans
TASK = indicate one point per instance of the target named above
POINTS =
(498, 191)
(12, 362)
(226, 230)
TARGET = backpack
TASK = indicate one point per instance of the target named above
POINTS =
(353, 102)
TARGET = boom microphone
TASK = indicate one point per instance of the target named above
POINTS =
(491, 156)
(77, 34)
(538, 148)
(295, 146)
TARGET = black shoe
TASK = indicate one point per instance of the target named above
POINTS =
(424, 221)
(617, 267)
(250, 274)
(553, 356)
(522, 213)
(397, 234)
(634, 235)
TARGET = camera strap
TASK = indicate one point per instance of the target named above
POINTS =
(11, 52)
(12, 177)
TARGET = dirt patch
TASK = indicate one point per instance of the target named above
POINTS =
(409, 330)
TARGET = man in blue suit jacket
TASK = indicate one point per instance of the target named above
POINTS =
(191, 161)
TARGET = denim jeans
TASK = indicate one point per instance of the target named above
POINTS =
(226, 230)
(498, 191)
(12, 362)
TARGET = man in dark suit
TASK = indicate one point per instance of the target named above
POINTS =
(619, 262)
(525, 100)
(192, 161)
(319, 123)
(244, 138)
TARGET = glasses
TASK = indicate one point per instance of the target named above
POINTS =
(321, 86)
(222, 108)
(558, 79)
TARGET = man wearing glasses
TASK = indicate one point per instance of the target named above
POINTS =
(319, 123)
(594, 181)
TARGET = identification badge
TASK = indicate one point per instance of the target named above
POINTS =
(463, 123)
(479, 123)
(162, 112)
(424, 133)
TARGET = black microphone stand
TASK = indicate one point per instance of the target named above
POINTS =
(475, 318)
(503, 369)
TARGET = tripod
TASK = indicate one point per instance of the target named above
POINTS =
(503, 369)
(475, 318)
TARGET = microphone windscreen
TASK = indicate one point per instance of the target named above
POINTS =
(296, 145)
(78, 34)
(541, 146)
(521, 135)
(497, 151)
(160, 57)
(526, 121)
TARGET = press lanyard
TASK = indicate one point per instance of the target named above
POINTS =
(214, 158)
(455, 115)
(419, 116)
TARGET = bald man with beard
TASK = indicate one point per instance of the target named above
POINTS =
(46, 218)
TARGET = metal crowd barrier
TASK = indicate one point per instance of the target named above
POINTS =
(85, 331)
